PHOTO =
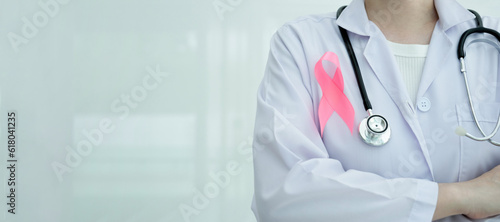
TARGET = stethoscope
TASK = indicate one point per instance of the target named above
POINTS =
(375, 130)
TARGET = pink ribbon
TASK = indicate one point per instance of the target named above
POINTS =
(334, 99)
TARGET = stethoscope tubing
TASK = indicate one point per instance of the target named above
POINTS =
(371, 138)
(461, 55)
(463, 69)
(354, 62)
(473, 110)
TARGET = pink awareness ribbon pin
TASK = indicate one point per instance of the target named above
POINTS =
(333, 99)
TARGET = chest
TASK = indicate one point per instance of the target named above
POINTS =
(423, 143)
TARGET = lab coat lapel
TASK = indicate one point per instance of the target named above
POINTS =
(439, 50)
(376, 52)
(382, 62)
(450, 14)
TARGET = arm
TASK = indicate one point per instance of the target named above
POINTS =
(477, 198)
(295, 179)
(448, 201)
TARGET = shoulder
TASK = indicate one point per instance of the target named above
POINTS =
(491, 22)
(313, 19)
(309, 24)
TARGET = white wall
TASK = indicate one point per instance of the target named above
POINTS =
(163, 139)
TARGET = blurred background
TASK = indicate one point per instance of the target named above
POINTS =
(131, 110)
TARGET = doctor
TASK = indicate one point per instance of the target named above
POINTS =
(406, 49)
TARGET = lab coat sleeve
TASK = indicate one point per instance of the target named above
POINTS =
(295, 179)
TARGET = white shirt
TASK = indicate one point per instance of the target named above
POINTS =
(302, 176)
(410, 59)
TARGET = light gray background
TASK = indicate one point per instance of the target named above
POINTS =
(198, 120)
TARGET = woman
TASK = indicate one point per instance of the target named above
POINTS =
(307, 169)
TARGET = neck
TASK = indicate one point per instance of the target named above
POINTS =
(404, 21)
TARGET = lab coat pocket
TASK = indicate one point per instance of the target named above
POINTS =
(478, 157)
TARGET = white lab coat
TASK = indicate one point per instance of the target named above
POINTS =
(300, 176)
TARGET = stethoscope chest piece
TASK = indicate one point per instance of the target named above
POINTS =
(375, 130)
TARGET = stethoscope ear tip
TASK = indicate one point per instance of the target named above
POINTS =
(460, 131)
